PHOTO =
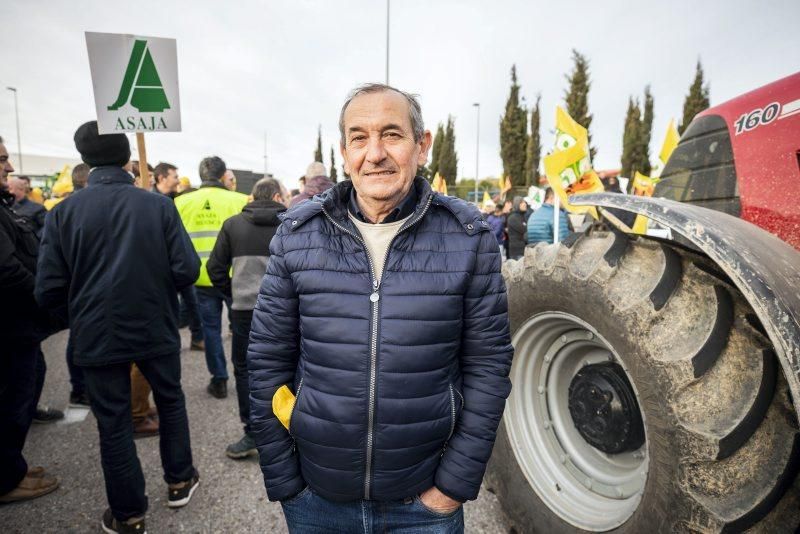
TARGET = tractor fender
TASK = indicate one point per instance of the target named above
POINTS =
(764, 268)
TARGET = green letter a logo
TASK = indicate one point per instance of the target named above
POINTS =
(141, 83)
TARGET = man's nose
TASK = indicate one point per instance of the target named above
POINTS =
(375, 150)
(9, 168)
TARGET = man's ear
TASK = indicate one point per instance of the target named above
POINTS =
(425, 146)
(343, 153)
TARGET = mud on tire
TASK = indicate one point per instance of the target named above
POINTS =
(721, 434)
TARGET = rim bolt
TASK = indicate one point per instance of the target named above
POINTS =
(589, 483)
(563, 339)
(547, 359)
(620, 493)
(589, 335)
(541, 390)
(546, 424)
(564, 458)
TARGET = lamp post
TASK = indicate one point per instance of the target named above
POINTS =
(477, 106)
(388, 4)
(19, 141)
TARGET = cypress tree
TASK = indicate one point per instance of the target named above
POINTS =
(514, 135)
(645, 132)
(318, 151)
(436, 150)
(533, 152)
(696, 101)
(631, 139)
(577, 96)
(448, 159)
(333, 175)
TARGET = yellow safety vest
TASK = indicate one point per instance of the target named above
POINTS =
(203, 212)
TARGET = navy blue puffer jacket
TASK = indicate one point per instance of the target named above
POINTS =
(400, 385)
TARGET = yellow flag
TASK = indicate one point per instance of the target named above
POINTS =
(670, 142)
(487, 201)
(569, 167)
(504, 183)
(439, 184)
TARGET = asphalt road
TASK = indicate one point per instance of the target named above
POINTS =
(231, 497)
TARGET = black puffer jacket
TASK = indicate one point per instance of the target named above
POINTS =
(243, 244)
(20, 316)
(401, 382)
(117, 255)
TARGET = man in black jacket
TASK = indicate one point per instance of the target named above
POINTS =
(517, 230)
(243, 243)
(22, 327)
(116, 256)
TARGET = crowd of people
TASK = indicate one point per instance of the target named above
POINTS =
(515, 224)
(124, 267)
(61, 275)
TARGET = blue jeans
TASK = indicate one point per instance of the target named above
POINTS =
(209, 303)
(109, 389)
(309, 513)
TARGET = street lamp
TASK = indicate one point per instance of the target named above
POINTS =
(19, 141)
(477, 106)
(388, 4)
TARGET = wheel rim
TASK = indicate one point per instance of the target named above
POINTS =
(584, 486)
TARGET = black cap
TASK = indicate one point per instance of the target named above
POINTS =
(98, 150)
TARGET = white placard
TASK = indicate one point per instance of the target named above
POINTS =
(135, 82)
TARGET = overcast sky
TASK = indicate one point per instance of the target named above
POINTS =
(283, 68)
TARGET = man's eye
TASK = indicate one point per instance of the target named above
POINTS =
(392, 135)
(356, 138)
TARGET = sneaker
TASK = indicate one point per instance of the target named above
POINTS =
(181, 493)
(111, 525)
(79, 400)
(197, 345)
(45, 415)
(218, 388)
(30, 487)
(145, 428)
(242, 449)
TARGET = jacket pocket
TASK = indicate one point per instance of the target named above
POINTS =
(283, 404)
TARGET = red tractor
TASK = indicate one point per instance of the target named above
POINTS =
(656, 381)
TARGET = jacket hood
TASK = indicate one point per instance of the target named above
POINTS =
(263, 212)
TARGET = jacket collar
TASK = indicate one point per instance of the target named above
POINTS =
(335, 203)
(213, 183)
(110, 175)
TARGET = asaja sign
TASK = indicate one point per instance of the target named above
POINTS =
(135, 82)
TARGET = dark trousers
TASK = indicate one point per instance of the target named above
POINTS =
(189, 313)
(109, 389)
(18, 377)
(41, 371)
(240, 322)
(75, 372)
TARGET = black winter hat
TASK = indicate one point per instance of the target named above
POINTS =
(98, 150)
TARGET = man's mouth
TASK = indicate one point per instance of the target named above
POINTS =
(379, 173)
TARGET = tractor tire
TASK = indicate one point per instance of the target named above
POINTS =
(646, 397)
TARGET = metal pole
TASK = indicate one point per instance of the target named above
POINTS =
(557, 208)
(477, 150)
(19, 139)
(388, 3)
(265, 155)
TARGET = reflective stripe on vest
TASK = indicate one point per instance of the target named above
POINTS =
(203, 212)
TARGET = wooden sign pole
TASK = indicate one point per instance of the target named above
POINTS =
(144, 175)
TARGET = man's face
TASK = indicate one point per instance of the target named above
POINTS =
(169, 183)
(18, 188)
(229, 180)
(5, 167)
(380, 153)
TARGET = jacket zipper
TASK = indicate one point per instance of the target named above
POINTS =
(291, 415)
(452, 415)
(374, 299)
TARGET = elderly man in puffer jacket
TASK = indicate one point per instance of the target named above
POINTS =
(379, 349)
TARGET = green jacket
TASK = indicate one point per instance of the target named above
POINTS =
(203, 212)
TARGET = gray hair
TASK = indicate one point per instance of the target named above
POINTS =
(414, 109)
(212, 169)
(266, 188)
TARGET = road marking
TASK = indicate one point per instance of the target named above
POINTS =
(74, 415)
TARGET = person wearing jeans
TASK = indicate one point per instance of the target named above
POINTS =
(243, 247)
(119, 282)
(203, 212)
